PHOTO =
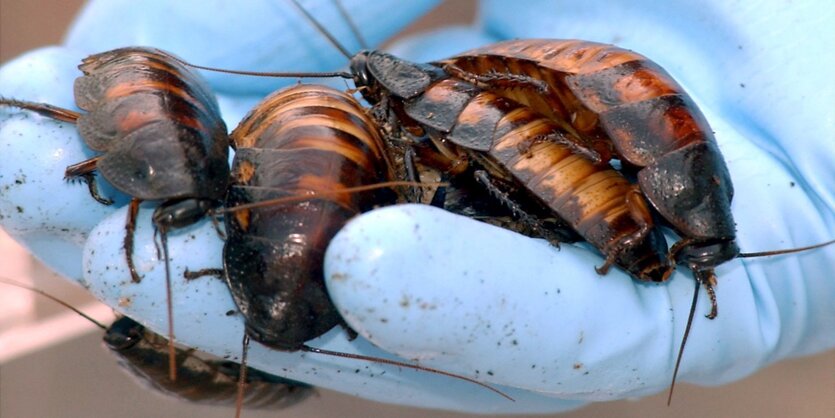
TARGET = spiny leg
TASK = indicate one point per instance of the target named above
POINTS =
(641, 215)
(708, 279)
(415, 193)
(43, 109)
(85, 171)
(194, 275)
(496, 78)
(530, 221)
(585, 150)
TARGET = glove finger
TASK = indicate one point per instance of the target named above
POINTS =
(463, 295)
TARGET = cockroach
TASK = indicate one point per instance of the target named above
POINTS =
(144, 355)
(158, 129)
(307, 159)
(306, 139)
(619, 99)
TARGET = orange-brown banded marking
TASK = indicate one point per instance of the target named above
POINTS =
(603, 91)
(298, 140)
(513, 141)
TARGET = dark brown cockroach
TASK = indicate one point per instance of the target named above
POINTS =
(160, 135)
(307, 159)
(301, 140)
(144, 355)
(618, 99)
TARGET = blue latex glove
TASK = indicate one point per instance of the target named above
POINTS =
(454, 293)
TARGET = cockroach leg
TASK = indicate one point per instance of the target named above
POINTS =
(494, 78)
(530, 221)
(415, 193)
(43, 109)
(130, 229)
(85, 171)
(708, 279)
(194, 275)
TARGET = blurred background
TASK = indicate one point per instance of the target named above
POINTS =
(52, 363)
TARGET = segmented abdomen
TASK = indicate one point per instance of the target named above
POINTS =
(597, 201)
(156, 122)
(302, 139)
(598, 90)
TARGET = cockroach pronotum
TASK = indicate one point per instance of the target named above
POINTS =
(601, 102)
(144, 355)
(159, 131)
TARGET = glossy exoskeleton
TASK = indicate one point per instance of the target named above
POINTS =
(159, 132)
(520, 154)
(622, 104)
(160, 135)
(301, 140)
(143, 354)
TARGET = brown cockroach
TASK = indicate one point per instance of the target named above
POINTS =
(144, 355)
(629, 108)
(305, 139)
(307, 159)
(158, 129)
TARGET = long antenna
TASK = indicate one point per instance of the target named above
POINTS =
(354, 29)
(53, 298)
(331, 74)
(310, 349)
(789, 251)
(684, 340)
(322, 30)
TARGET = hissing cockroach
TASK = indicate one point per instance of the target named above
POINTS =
(160, 135)
(307, 160)
(301, 140)
(144, 355)
(617, 98)
(520, 153)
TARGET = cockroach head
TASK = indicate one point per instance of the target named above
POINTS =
(362, 76)
(707, 255)
(124, 334)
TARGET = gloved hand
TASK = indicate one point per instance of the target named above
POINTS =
(454, 293)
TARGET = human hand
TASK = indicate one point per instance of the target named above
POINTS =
(522, 282)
